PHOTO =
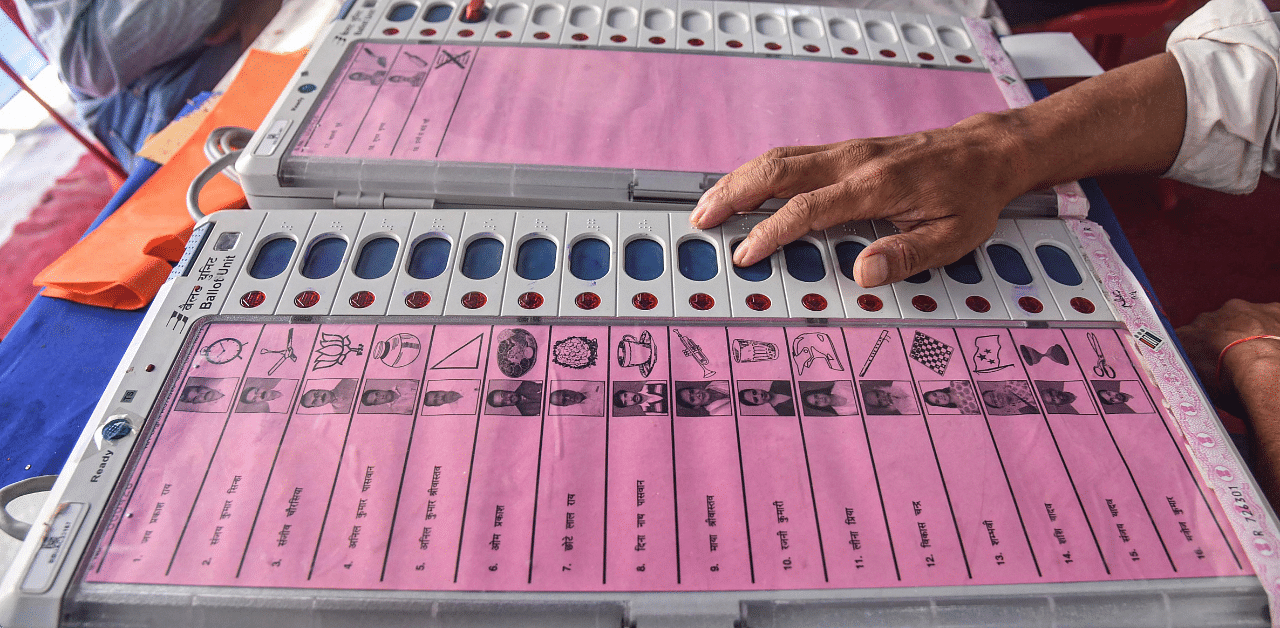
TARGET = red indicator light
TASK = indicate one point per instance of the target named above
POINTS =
(541, 35)
(587, 301)
(644, 301)
(1031, 304)
(849, 50)
(773, 46)
(466, 32)
(870, 303)
(580, 37)
(1082, 305)
(618, 39)
(733, 43)
(758, 302)
(657, 41)
(814, 302)
(361, 299)
(428, 32)
(924, 303)
(530, 300)
(474, 300)
(502, 34)
(252, 298)
(702, 301)
(925, 55)
(696, 42)
(811, 48)
(391, 31)
(417, 299)
(978, 304)
(306, 298)
(888, 53)
(964, 59)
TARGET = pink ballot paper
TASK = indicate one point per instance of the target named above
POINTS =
(618, 108)
(689, 457)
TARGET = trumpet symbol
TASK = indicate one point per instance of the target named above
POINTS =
(693, 350)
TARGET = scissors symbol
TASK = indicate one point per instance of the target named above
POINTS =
(1101, 369)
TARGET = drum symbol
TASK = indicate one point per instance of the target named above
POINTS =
(745, 350)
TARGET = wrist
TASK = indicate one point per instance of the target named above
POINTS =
(1006, 144)
(1252, 363)
(1257, 387)
(1130, 119)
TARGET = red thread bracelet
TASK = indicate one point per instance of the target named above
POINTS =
(1223, 353)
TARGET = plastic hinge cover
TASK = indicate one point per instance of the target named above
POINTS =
(672, 610)
(665, 186)
(379, 200)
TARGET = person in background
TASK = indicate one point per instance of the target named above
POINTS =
(1236, 352)
(131, 65)
(1023, 12)
(1206, 111)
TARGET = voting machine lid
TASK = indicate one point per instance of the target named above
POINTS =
(612, 105)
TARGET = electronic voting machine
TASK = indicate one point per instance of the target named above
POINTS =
(466, 363)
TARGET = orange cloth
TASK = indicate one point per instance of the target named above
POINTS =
(123, 262)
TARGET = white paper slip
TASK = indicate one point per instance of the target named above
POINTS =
(1049, 55)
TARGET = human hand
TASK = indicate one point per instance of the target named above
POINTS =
(943, 189)
(248, 19)
(1247, 367)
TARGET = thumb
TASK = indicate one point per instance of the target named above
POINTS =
(896, 257)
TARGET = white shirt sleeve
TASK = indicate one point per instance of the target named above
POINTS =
(101, 46)
(1229, 53)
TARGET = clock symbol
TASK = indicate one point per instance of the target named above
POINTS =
(223, 350)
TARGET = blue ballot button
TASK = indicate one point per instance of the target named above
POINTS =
(846, 253)
(698, 260)
(377, 257)
(1009, 264)
(1057, 264)
(643, 259)
(429, 258)
(536, 258)
(804, 261)
(965, 270)
(589, 259)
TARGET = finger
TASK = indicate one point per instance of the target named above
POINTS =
(780, 172)
(805, 212)
(930, 245)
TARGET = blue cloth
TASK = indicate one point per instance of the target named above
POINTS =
(54, 365)
(56, 362)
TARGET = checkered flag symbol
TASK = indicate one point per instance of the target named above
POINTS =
(931, 352)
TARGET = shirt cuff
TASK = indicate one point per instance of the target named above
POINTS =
(1227, 52)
